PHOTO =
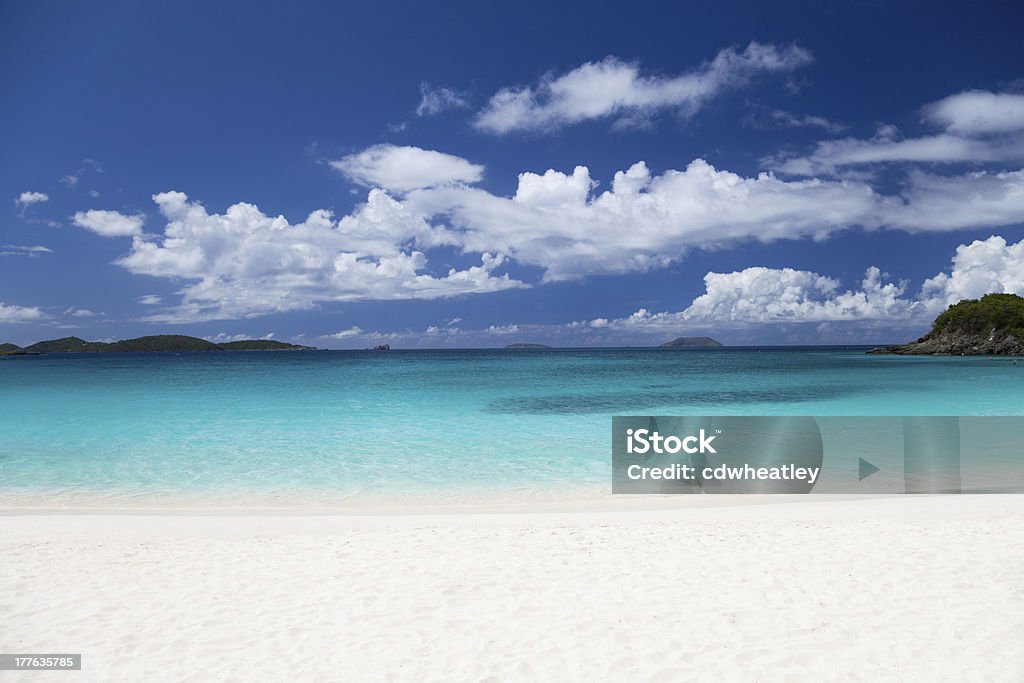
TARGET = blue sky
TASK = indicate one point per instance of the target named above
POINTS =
(447, 175)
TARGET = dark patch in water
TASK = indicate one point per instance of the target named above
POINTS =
(623, 403)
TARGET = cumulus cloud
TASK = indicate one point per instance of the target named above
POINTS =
(244, 263)
(800, 306)
(760, 296)
(770, 295)
(979, 127)
(614, 88)
(10, 313)
(436, 100)
(559, 222)
(401, 169)
(981, 267)
(757, 296)
(29, 198)
(109, 223)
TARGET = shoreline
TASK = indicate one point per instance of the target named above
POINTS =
(928, 508)
(582, 503)
(641, 509)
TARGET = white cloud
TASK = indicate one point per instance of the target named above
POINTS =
(447, 335)
(28, 198)
(789, 305)
(613, 88)
(150, 300)
(972, 200)
(401, 169)
(353, 331)
(760, 296)
(979, 127)
(81, 313)
(832, 155)
(18, 250)
(981, 267)
(502, 330)
(978, 112)
(436, 100)
(558, 222)
(769, 295)
(243, 263)
(356, 337)
(433, 336)
(109, 223)
(222, 337)
(10, 313)
(449, 330)
(643, 221)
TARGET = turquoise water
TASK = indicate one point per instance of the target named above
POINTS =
(342, 426)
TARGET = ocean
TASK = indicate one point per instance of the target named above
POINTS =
(338, 427)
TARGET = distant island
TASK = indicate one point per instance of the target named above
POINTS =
(523, 345)
(152, 344)
(691, 343)
(990, 326)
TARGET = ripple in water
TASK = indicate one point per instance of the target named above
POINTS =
(633, 401)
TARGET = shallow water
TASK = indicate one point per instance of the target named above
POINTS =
(344, 425)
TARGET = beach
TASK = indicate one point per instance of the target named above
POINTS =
(772, 588)
(557, 342)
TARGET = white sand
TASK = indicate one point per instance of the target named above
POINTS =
(908, 588)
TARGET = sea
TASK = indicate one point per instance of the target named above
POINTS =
(327, 428)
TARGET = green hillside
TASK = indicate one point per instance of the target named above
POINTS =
(163, 342)
(152, 344)
(990, 326)
(260, 345)
(1001, 312)
(64, 345)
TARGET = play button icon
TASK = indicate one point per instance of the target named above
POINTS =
(865, 469)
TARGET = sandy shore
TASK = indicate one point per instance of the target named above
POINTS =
(905, 588)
